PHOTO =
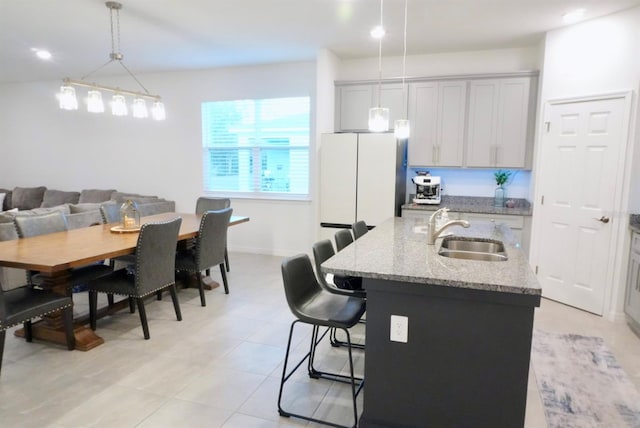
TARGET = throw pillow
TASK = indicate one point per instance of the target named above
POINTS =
(95, 195)
(2, 195)
(53, 198)
(7, 199)
(120, 197)
(26, 198)
(83, 219)
(84, 207)
(64, 209)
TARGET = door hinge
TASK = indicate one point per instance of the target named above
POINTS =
(542, 200)
(536, 269)
(548, 126)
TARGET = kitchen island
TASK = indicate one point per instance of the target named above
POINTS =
(465, 361)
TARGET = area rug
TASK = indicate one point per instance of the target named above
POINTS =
(581, 383)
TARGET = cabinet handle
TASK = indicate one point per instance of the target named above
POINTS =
(433, 153)
(495, 156)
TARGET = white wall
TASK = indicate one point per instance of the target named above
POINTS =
(43, 145)
(327, 67)
(442, 64)
(596, 57)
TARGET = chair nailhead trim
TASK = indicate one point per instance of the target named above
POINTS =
(162, 287)
(38, 316)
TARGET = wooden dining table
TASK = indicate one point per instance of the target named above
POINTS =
(55, 254)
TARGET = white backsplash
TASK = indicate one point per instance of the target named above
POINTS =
(475, 182)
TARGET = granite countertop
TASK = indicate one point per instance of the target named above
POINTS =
(474, 204)
(634, 222)
(397, 250)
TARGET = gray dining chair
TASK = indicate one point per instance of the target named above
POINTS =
(209, 249)
(34, 225)
(110, 213)
(154, 271)
(21, 305)
(10, 277)
(205, 203)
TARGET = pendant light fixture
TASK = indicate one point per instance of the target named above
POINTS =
(379, 116)
(401, 127)
(67, 96)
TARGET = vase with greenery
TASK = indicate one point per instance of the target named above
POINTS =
(500, 193)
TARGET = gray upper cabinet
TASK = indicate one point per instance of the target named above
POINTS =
(437, 116)
(477, 121)
(498, 126)
(354, 101)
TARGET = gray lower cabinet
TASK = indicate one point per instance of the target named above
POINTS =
(465, 364)
(632, 298)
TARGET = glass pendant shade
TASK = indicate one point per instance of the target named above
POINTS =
(119, 105)
(139, 108)
(402, 129)
(67, 98)
(157, 111)
(94, 102)
(378, 119)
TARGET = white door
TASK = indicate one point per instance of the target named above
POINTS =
(580, 167)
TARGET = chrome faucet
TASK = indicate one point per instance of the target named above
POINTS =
(435, 233)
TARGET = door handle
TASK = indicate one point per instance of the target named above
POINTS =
(603, 219)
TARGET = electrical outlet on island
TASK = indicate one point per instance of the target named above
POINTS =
(399, 328)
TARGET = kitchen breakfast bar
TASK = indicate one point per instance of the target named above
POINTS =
(465, 358)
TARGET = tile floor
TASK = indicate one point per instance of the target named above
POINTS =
(219, 367)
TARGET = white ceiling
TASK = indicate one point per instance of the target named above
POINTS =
(172, 35)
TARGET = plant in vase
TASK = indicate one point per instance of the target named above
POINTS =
(501, 178)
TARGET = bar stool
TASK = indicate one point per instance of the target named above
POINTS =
(323, 251)
(311, 304)
(359, 228)
(343, 238)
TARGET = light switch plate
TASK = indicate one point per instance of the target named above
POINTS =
(399, 328)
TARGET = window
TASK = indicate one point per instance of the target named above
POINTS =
(257, 147)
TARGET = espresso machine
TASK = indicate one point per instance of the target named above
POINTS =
(427, 189)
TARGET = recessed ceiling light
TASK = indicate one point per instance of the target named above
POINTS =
(573, 17)
(41, 53)
(378, 32)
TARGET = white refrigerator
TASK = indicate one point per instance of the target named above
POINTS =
(362, 177)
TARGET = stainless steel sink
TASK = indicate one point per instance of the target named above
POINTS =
(475, 245)
(473, 249)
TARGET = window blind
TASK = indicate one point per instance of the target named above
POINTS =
(257, 147)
